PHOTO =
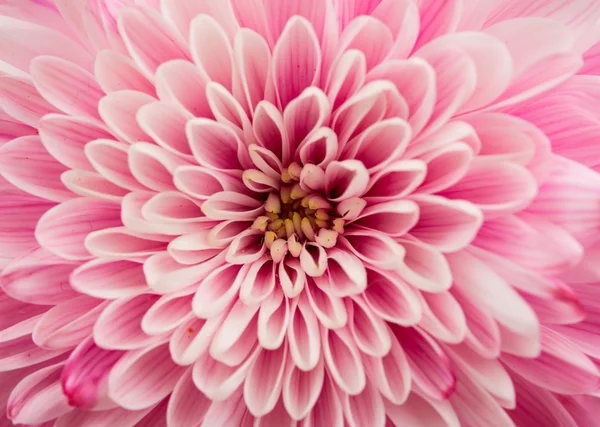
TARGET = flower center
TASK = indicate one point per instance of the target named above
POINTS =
(296, 214)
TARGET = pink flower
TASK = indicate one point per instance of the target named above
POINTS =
(300, 212)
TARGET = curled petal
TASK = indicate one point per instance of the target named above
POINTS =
(343, 360)
(217, 290)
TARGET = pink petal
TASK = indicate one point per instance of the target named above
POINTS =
(168, 312)
(153, 166)
(270, 131)
(430, 366)
(28, 166)
(373, 248)
(491, 58)
(368, 106)
(263, 383)
(296, 59)
(107, 418)
(259, 282)
(301, 390)
(506, 137)
(187, 404)
(38, 277)
(38, 397)
(252, 58)
(165, 274)
(498, 297)
(402, 18)
(369, 331)
(214, 145)
(217, 290)
(292, 277)
(166, 126)
(174, 208)
(232, 410)
(438, 19)
(346, 179)
(214, 59)
(110, 159)
(446, 166)
(119, 109)
(21, 101)
(313, 259)
(343, 360)
(67, 324)
(443, 317)
(229, 205)
(445, 224)
(391, 373)
(67, 86)
(303, 336)
(364, 408)
(424, 267)
(455, 83)
(392, 218)
(63, 229)
(380, 144)
(327, 410)
(123, 243)
(201, 182)
(191, 339)
(115, 72)
(359, 35)
(392, 299)
(542, 246)
(474, 405)
(236, 337)
(279, 14)
(181, 84)
(419, 411)
(304, 114)
(192, 249)
(488, 373)
(143, 377)
(495, 187)
(219, 381)
(119, 325)
(319, 148)
(537, 407)
(148, 39)
(85, 373)
(560, 368)
(346, 77)
(273, 320)
(396, 181)
(22, 41)
(346, 274)
(577, 189)
(91, 184)
(182, 13)
(330, 310)
(278, 417)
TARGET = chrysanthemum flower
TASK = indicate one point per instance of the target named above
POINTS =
(315, 213)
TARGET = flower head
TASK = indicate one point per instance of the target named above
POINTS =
(299, 213)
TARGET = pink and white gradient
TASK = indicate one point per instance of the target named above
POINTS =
(300, 213)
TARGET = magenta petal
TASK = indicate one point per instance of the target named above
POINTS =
(85, 372)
